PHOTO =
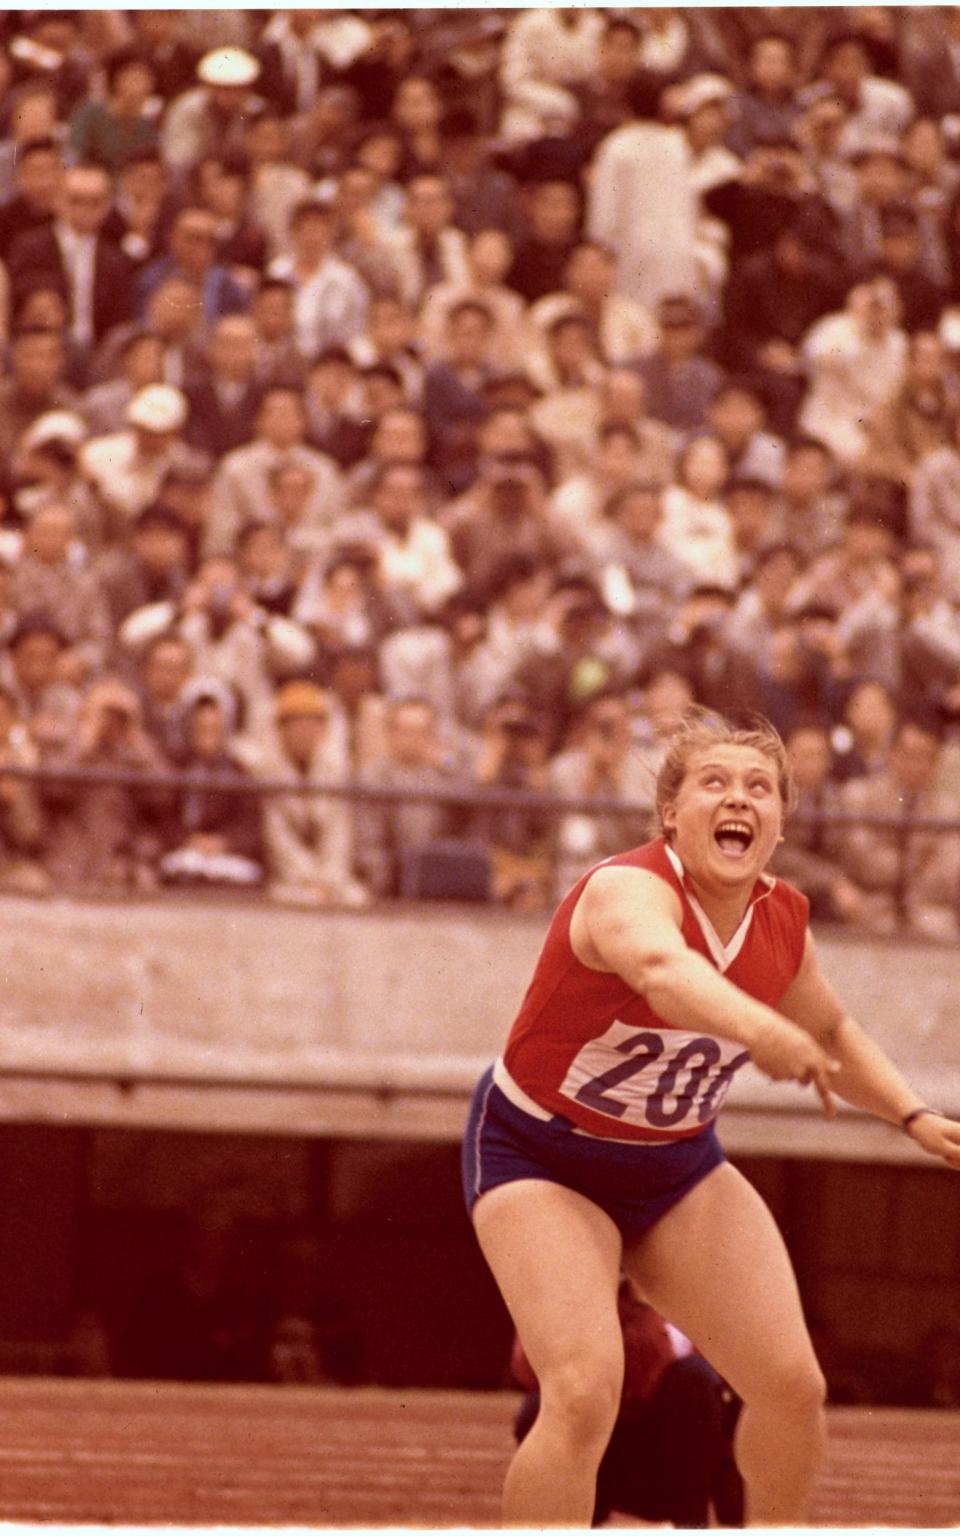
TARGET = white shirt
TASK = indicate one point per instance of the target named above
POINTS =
(79, 254)
(329, 307)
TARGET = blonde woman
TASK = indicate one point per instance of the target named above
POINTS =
(591, 1145)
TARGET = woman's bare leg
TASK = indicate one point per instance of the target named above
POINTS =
(556, 1259)
(716, 1266)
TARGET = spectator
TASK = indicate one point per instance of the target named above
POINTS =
(390, 834)
(47, 705)
(52, 574)
(308, 839)
(329, 299)
(910, 877)
(680, 380)
(224, 399)
(140, 361)
(240, 487)
(545, 55)
(34, 384)
(128, 469)
(100, 835)
(765, 111)
(215, 832)
(416, 563)
(38, 178)
(552, 211)
(22, 820)
(166, 666)
(601, 762)
(191, 253)
(855, 361)
(235, 642)
(150, 566)
(696, 524)
(513, 752)
(737, 414)
(861, 742)
(918, 421)
(623, 331)
(808, 855)
(46, 468)
(489, 257)
(342, 600)
(73, 251)
(503, 513)
(209, 117)
(427, 248)
(810, 504)
(453, 402)
(109, 132)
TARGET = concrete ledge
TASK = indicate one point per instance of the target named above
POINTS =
(228, 1015)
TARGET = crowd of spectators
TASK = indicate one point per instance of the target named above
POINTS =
(436, 400)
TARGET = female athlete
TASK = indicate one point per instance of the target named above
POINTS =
(591, 1146)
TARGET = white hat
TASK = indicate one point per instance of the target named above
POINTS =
(699, 91)
(228, 66)
(55, 427)
(158, 408)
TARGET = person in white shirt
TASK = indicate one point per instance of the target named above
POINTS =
(545, 52)
(696, 524)
(330, 300)
(855, 361)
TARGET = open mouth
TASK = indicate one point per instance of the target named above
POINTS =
(733, 838)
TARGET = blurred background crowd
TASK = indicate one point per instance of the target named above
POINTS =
(432, 401)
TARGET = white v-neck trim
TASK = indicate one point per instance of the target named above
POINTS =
(723, 954)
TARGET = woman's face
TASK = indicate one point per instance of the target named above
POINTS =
(727, 816)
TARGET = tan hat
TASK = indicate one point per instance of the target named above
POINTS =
(700, 91)
(158, 408)
(301, 699)
(228, 66)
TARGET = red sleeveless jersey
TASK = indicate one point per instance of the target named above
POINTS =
(586, 1046)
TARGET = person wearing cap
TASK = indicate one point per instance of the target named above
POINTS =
(46, 468)
(308, 839)
(210, 118)
(128, 468)
(702, 106)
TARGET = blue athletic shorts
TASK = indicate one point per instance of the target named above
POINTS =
(635, 1183)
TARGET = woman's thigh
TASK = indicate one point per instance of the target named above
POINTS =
(717, 1266)
(556, 1258)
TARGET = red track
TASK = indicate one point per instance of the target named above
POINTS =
(132, 1454)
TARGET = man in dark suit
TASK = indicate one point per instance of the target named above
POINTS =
(225, 399)
(72, 250)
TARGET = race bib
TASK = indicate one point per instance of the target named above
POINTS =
(664, 1082)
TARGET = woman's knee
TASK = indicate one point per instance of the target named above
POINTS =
(791, 1381)
(584, 1394)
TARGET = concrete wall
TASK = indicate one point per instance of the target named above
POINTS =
(219, 1015)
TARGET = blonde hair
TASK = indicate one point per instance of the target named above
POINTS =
(700, 729)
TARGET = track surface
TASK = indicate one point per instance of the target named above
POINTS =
(133, 1453)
